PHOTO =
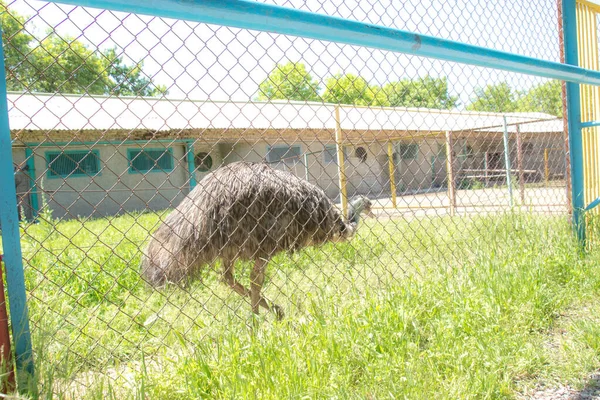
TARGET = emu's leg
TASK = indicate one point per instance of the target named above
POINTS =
(230, 280)
(228, 270)
(257, 278)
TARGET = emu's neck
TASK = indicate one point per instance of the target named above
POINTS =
(353, 218)
(353, 215)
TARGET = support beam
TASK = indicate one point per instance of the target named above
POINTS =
(569, 23)
(486, 164)
(520, 165)
(11, 244)
(590, 124)
(450, 173)
(546, 167)
(189, 149)
(259, 16)
(507, 164)
(33, 192)
(306, 172)
(392, 174)
(339, 144)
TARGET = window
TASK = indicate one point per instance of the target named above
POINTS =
(203, 161)
(361, 154)
(284, 153)
(330, 153)
(150, 160)
(73, 163)
(408, 151)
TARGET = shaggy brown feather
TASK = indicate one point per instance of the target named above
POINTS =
(246, 211)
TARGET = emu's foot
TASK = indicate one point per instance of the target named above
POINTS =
(278, 311)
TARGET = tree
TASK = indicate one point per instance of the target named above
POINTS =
(129, 80)
(16, 48)
(289, 81)
(66, 65)
(352, 89)
(424, 92)
(546, 98)
(494, 98)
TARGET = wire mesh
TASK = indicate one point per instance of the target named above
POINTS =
(117, 119)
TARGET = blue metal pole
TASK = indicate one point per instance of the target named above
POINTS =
(288, 21)
(35, 207)
(189, 147)
(11, 242)
(574, 120)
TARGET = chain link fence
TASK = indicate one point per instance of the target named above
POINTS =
(117, 118)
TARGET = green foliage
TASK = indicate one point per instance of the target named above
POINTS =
(66, 65)
(16, 48)
(546, 98)
(494, 98)
(458, 308)
(470, 183)
(424, 92)
(352, 89)
(126, 80)
(292, 81)
(289, 81)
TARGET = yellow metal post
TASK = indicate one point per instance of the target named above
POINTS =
(339, 144)
(392, 176)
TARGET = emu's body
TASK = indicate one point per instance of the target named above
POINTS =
(245, 211)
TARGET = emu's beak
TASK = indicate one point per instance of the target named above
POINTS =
(370, 213)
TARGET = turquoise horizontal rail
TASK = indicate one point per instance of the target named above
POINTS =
(590, 124)
(288, 21)
(593, 204)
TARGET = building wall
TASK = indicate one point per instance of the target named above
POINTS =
(428, 170)
(115, 189)
(363, 177)
(534, 148)
(215, 152)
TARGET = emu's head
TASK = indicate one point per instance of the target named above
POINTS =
(359, 205)
(356, 207)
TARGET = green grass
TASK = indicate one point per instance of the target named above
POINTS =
(482, 307)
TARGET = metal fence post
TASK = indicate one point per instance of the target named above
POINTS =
(11, 242)
(189, 149)
(33, 194)
(339, 143)
(450, 173)
(507, 163)
(520, 165)
(306, 171)
(392, 168)
(569, 19)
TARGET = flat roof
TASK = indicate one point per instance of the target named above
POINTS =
(52, 112)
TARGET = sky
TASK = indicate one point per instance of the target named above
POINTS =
(200, 61)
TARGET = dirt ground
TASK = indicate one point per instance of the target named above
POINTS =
(540, 200)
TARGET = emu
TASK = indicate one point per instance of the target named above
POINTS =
(245, 211)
